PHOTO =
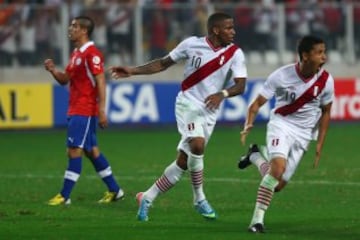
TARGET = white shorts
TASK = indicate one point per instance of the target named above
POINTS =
(192, 121)
(287, 142)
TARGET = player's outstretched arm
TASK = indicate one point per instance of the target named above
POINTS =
(120, 72)
(151, 67)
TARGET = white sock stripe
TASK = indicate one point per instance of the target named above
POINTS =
(197, 173)
(105, 173)
(197, 179)
(265, 196)
(164, 184)
(70, 175)
(265, 190)
(166, 181)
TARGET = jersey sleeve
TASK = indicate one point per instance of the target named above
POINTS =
(95, 62)
(329, 94)
(269, 87)
(180, 51)
(238, 67)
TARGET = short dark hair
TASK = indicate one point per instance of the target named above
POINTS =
(87, 23)
(215, 18)
(307, 43)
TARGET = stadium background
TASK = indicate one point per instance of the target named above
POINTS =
(316, 205)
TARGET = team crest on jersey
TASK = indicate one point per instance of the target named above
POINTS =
(96, 59)
(77, 61)
(222, 59)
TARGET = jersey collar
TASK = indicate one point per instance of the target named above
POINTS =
(85, 46)
(297, 69)
(215, 49)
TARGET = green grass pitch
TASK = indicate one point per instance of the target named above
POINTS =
(321, 203)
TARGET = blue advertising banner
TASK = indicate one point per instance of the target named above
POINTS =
(60, 104)
(147, 103)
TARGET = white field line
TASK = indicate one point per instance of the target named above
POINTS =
(211, 179)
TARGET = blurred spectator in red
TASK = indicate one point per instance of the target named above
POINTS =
(158, 34)
(333, 20)
(243, 19)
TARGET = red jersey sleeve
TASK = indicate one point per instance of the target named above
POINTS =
(95, 61)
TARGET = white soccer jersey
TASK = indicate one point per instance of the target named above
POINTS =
(298, 100)
(206, 68)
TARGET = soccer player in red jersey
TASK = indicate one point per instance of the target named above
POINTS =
(86, 79)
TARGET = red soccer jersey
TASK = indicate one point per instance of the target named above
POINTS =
(85, 63)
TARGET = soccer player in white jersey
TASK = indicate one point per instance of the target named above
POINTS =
(304, 93)
(208, 60)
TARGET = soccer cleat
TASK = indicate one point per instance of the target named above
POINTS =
(112, 196)
(58, 200)
(203, 207)
(144, 205)
(257, 228)
(245, 160)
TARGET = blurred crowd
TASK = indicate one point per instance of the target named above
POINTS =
(33, 30)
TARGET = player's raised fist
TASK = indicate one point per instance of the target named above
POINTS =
(49, 65)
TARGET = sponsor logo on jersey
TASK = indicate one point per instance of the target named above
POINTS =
(222, 59)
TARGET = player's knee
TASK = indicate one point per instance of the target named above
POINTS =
(73, 152)
(182, 160)
(93, 153)
(278, 166)
(197, 145)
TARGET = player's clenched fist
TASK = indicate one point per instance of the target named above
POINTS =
(49, 65)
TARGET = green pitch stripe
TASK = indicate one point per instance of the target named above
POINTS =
(211, 179)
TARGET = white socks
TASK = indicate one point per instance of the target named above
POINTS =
(171, 176)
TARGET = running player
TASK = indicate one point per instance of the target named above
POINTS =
(208, 60)
(304, 93)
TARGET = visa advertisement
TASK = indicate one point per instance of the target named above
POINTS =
(153, 103)
(44, 105)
